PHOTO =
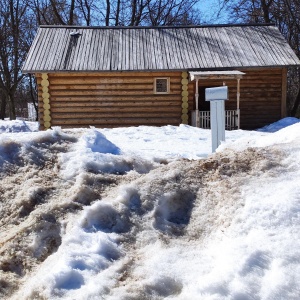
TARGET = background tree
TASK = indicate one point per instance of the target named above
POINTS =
(286, 16)
(15, 39)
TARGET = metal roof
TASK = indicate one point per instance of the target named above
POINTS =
(94, 49)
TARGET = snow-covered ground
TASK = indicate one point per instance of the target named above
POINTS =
(149, 213)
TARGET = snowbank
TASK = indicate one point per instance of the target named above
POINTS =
(18, 126)
(149, 213)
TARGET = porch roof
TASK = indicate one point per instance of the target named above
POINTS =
(216, 75)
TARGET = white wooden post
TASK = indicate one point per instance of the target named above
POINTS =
(238, 102)
(197, 105)
(216, 96)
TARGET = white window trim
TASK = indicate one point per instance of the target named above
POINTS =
(168, 85)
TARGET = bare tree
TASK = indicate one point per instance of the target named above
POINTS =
(13, 48)
(19, 20)
(285, 14)
(150, 12)
(54, 12)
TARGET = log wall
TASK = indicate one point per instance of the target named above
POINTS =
(128, 99)
(111, 99)
(262, 96)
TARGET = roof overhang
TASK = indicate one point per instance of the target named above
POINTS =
(216, 75)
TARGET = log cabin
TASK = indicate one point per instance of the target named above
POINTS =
(131, 76)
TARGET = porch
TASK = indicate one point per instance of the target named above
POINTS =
(232, 119)
(201, 117)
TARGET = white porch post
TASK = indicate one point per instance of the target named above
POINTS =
(197, 105)
(238, 101)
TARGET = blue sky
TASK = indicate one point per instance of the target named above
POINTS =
(210, 9)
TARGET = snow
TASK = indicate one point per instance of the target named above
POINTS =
(18, 126)
(280, 124)
(149, 213)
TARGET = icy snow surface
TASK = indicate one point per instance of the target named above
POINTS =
(18, 126)
(150, 213)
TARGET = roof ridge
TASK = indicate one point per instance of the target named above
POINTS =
(157, 27)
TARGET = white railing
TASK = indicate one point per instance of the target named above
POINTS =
(231, 119)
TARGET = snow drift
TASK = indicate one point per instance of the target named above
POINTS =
(90, 218)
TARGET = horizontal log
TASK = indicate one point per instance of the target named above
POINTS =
(261, 70)
(117, 115)
(245, 83)
(261, 85)
(115, 74)
(260, 97)
(97, 98)
(104, 93)
(117, 121)
(100, 87)
(259, 110)
(120, 104)
(104, 110)
(111, 80)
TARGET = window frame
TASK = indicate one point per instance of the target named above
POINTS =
(155, 85)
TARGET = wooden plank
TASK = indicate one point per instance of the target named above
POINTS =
(121, 74)
(112, 80)
(147, 87)
(111, 103)
(117, 98)
(103, 93)
(268, 70)
(100, 87)
(117, 121)
(118, 110)
(283, 93)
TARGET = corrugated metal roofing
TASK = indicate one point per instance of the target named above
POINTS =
(55, 49)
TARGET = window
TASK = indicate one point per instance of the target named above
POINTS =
(162, 85)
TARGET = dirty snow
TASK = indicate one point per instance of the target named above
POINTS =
(149, 213)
